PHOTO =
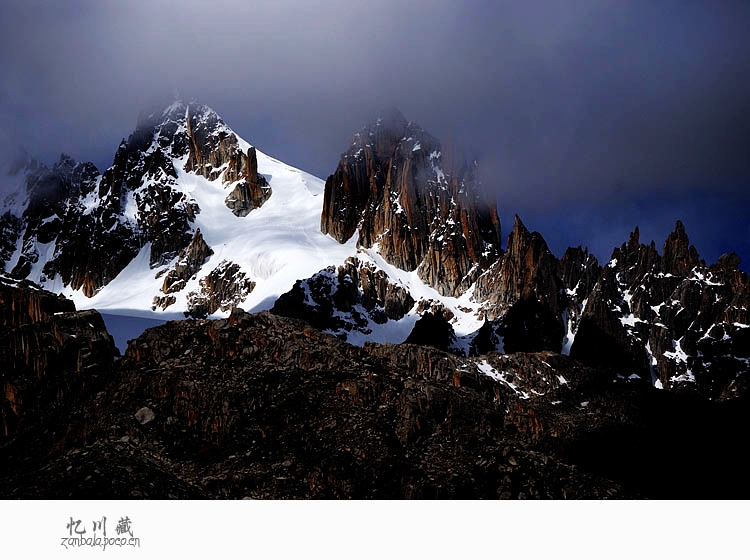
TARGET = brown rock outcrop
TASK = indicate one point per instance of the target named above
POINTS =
(23, 303)
(263, 406)
(432, 329)
(223, 288)
(214, 152)
(266, 407)
(390, 189)
(678, 256)
(601, 338)
(578, 270)
(524, 295)
(345, 299)
(527, 271)
(189, 262)
(51, 356)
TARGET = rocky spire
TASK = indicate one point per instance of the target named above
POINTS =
(214, 152)
(527, 271)
(579, 270)
(522, 292)
(678, 256)
(634, 259)
(392, 190)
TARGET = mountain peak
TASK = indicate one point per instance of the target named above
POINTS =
(389, 131)
(159, 113)
(727, 262)
(391, 189)
(518, 226)
(635, 238)
(678, 256)
(389, 118)
(17, 160)
(175, 111)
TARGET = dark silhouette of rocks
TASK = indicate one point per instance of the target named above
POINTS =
(52, 357)
(268, 407)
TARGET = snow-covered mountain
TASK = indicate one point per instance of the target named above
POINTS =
(192, 220)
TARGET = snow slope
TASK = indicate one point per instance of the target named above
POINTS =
(274, 245)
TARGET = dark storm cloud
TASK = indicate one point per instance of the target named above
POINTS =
(571, 107)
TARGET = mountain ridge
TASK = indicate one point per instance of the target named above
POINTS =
(403, 354)
(192, 220)
(262, 406)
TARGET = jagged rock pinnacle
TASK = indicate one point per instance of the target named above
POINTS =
(391, 190)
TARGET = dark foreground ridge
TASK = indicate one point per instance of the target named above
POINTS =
(585, 380)
(263, 406)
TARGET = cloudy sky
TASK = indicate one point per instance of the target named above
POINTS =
(587, 117)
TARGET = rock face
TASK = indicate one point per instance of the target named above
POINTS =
(669, 318)
(136, 204)
(678, 256)
(660, 315)
(524, 289)
(432, 329)
(252, 190)
(215, 152)
(264, 406)
(10, 230)
(391, 189)
(348, 300)
(51, 356)
(524, 294)
(52, 196)
(136, 201)
(189, 261)
(223, 288)
(664, 317)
